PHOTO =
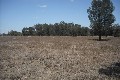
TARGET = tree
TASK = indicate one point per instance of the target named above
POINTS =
(52, 30)
(28, 31)
(39, 29)
(85, 31)
(14, 33)
(100, 16)
(116, 30)
(31, 31)
(25, 31)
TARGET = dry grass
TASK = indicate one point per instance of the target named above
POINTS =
(57, 58)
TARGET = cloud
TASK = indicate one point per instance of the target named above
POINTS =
(42, 6)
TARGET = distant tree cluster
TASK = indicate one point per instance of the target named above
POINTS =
(68, 29)
(57, 29)
(14, 33)
(63, 29)
(28, 31)
(116, 30)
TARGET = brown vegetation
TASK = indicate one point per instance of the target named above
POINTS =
(57, 58)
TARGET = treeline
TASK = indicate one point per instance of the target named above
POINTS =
(57, 29)
(63, 29)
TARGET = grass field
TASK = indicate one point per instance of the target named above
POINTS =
(59, 58)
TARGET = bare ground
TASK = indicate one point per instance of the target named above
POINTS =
(58, 58)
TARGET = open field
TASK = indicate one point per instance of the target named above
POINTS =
(57, 58)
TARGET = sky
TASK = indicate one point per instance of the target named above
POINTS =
(17, 14)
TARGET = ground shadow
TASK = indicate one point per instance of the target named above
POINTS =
(111, 71)
(100, 40)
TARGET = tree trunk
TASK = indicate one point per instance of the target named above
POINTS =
(99, 37)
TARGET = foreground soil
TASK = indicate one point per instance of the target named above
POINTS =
(58, 58)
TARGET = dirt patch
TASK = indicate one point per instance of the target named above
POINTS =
(57, 58)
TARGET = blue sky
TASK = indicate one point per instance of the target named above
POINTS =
(16, 14)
